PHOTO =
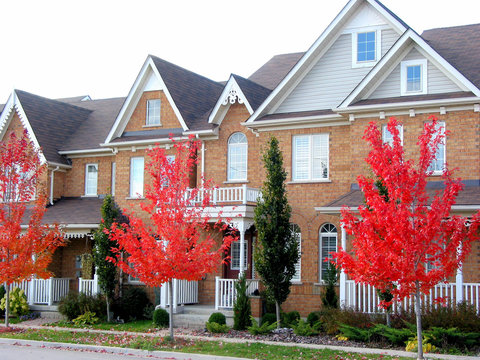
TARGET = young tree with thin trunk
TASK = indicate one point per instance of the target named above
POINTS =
(23, 252)
(396, 236)
(181, 242)
(276, 251)
(102, 250)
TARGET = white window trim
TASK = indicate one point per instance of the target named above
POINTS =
(245, 258)
(384, 131)
(403, 76)
(86, 180)
(310, 165)
(321, 250)
(147, 124)
(134, 195)
(440, 172)
(378, 47)
(229, 178)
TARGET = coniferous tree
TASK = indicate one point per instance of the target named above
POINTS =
(242, 310)
(276, 251)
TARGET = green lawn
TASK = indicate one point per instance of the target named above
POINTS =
(142, 341)
(137, 326)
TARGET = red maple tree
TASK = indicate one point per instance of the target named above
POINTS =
(395, 235)
(181, 242)
(24, 252)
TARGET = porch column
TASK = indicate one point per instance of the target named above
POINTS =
(459, 279)
(343, 276)
(241, 229)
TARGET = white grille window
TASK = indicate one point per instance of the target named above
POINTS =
(310, 157)
(136, 176)
(235, 255)
(91, 179)
(438, 164)
(237, 157)
(153, 112)
(328, 244)
(387, 136)
(298, 266)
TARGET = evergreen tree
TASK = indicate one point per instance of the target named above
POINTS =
(106, 270)
(276, 251)
(242, 310)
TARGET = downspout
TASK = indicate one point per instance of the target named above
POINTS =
(52, 176)
(203, 162)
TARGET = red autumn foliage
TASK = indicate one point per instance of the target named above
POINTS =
(23, 252)
(180, 242)
(395, 238)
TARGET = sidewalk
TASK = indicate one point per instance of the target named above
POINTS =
(230, 340)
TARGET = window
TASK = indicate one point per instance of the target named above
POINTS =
(298, 266)
(237, 157)
(438, 164)
(235, 255)
(114, 171)
(136, 177)
(310, 157)
(366, 47)
(387, 136)
(328, 244)
(91, 179)
(153, 112)
(413, 74)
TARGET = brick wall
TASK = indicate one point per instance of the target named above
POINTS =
(74, 182)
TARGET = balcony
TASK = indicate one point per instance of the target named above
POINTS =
(230, 195)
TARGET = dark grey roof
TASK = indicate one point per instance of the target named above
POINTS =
(75, 99)
(459, 45)
(52, 122)
(148, 135)
(254, 92)
(94, 130)
(193, 94)
(1, 108)
(273, 71)
(296, 114)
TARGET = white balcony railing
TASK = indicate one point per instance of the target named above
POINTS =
(89, 286)
(226, 294)
(223, 195)
(184, 292)
(364, 298)
(44, 291)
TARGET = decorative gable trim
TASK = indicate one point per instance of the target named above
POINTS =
(321, 45)
(231, 94)
(13, 106)
(142, 81)
(394, 57)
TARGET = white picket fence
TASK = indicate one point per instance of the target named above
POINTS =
(184, 292)
(89, 286)
(364, 298)
(44, 291)
(238, 194)
(226, 294)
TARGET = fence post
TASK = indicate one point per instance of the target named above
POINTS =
(80, 285)
(343, 276)
(96, 288)
(50, 291)
(217, 292)
(244, 191)
(175, 295)
(459, 280)
(31, 289)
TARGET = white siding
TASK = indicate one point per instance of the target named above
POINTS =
(332, 78)
(437, 82)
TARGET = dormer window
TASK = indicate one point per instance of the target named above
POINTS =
(366, 47)
(153, 112)
(413, 74)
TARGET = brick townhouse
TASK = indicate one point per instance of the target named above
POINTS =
(367, 65)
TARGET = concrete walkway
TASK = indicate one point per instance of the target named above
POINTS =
(179, 334)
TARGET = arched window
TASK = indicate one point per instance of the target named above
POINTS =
(298, 266)
(237, 157)
(328, 244)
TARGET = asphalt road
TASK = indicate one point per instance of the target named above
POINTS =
(38, 352)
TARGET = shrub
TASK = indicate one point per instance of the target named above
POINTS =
(266, 328)
(218, 318)
(148, 311)
(214, 327)
(313, 317)
(303, 328)
(88, 318)
(18, 302)
(132, 304)
(161, 318)
(2, 294)
(291, 318)
(74, 305)
(445, 338)
(241, 309)
(329, 296)
(269, 318)
(30, 316)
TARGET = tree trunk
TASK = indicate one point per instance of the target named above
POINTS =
(277, 310)
(418, 313)
(387, 315)
(109, 314)
(170, 295)
(7, 305)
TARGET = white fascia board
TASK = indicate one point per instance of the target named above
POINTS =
(319, 42)
(143, 142)
(394, 53)
(86, 227)
(54, 164)
(13, 105)
(397, 25)
(133, 95)
(408, 104)
(84, 151)
(333, 210)
(241, 98)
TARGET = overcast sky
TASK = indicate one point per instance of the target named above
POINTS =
(67, 48)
